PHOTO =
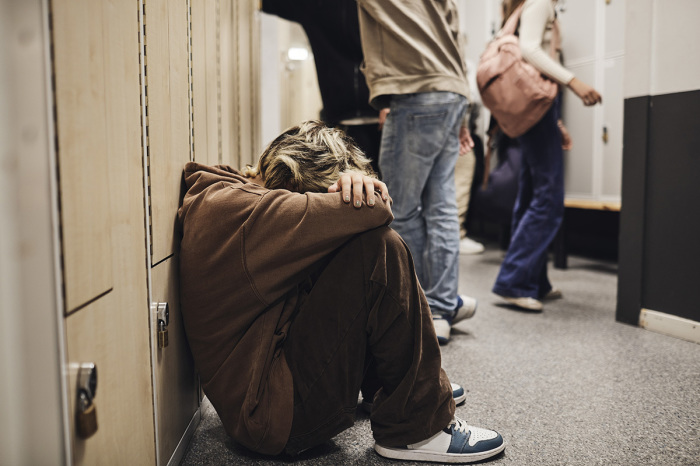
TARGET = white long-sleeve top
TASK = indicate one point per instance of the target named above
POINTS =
(536, 23)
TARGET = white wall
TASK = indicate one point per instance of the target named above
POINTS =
(289, 89)
(663, 40)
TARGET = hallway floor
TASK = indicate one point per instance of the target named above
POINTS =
(569, 386)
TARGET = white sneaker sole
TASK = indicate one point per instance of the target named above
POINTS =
(531, 304)
(434, 456)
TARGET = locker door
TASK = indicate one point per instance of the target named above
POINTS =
(613, 101)
(246, 26)
(167, 94)
(579, 20)
(99, 153)
(225, 46)
(593, 44)
(167, 82)
(206, 78)
(83, 159)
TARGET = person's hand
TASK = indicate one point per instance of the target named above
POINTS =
(586, 93)
(465, 141)
(382, 116)
(353, 185)
(566, 142)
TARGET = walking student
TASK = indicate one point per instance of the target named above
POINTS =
(539, 207)
(414, 66)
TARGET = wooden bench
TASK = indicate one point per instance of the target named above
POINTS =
(560, 250)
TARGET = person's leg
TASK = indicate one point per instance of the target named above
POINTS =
(367, 301)
(521, 272)
(405, 177)
(440, 210)
(420, 146)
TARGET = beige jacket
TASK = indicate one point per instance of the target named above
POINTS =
(411, 46)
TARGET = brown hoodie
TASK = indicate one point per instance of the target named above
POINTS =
(246, 254)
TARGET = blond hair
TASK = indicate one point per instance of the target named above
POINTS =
(509, 6)
(309, 158)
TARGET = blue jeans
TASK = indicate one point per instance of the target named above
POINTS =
(419, 150)
(537, 214)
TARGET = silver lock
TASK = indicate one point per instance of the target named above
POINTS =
(86, 412)
(162, 321)
(87, 379)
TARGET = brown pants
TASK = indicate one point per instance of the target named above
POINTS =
(367, 308)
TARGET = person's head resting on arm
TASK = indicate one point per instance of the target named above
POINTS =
(309, 157)
(312, 157)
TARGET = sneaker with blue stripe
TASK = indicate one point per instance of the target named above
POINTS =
(466, 307)
(456, 443)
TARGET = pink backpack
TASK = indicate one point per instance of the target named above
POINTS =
(515, 92)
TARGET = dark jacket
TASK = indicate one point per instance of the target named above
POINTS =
(334, 34)
(246, 254)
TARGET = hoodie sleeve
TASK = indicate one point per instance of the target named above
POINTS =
(289, 232)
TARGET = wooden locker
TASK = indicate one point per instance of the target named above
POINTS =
(168, 116)
(97, 92)
(176, 384)
(81, 127)
(227, 65)
(206, 81)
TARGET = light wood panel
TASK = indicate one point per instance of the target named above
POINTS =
(167, 70)
(226, 81)
(229, 115)
(176, 381)
(79, 48)
(245, 108)
(200, 103)
(113, 331)
(206, 78)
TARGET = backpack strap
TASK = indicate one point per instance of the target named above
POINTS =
(555, 41)
(512, 22)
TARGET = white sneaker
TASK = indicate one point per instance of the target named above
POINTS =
(456, 443)
(442, 329)
(554, 293)
(469, 246)
(466, 307)
(531, 304)
(458, 394)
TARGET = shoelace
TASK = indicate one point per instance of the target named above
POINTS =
(460, 425)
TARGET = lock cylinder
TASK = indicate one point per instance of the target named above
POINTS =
(86, 412)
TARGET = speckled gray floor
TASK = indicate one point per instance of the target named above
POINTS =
(569, 386)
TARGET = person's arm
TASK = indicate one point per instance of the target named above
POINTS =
(290, 232)
(533, 23)
(466, 143)
(566, 142)
(286, 9)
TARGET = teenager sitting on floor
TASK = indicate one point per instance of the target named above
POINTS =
(293, 287)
